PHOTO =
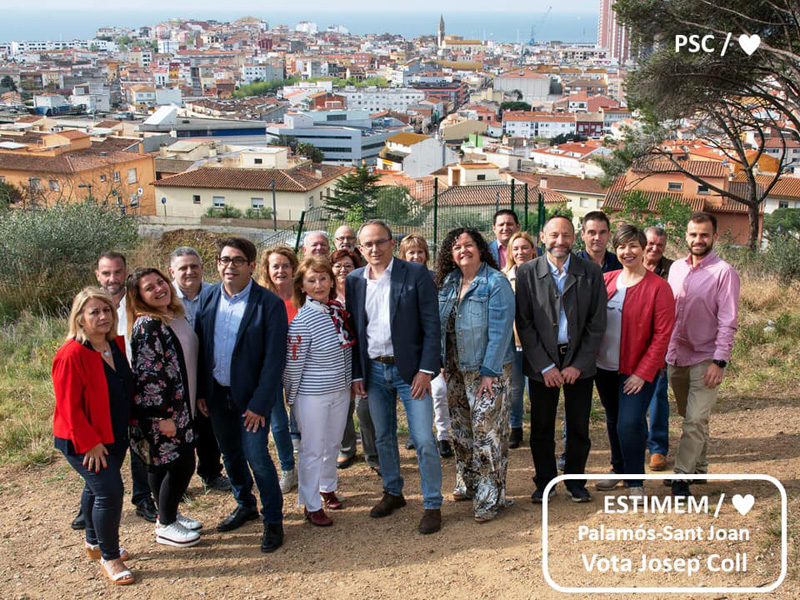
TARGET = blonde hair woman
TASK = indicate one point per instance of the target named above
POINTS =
(414, 248)
(93, 389)
(521, 249)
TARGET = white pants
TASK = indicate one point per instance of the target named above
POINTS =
(441, 411)
(321, 420)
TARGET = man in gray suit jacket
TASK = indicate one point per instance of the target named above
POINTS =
(561, 318)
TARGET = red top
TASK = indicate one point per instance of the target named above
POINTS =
(291, 311)
(82, 414)
(648, 315)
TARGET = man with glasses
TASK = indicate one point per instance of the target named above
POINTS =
(316, 242)
(345, 238)
(242, 330)
(186, 270)
(395, 313)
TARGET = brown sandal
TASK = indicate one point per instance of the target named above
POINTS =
(93, 552)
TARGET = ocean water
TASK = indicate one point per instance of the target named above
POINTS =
(27, 24)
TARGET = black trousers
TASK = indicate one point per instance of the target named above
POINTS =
(168, 484)
(209, 459)
(577, 406)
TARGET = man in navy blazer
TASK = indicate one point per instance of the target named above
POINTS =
(242, 330)
(395, 312)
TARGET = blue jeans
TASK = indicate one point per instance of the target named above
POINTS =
(279, 424)
(101, 502)
(626, 422)
(384, 385)
(241, 448)
(658, 438)
(518, 384)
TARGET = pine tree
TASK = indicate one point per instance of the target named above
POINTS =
(356, 192)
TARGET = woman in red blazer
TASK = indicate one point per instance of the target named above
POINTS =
(640, 315)
(93, 387)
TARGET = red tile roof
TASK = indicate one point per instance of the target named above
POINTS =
(300, 179)
(561, 183)
(487, 195)
(699, 168)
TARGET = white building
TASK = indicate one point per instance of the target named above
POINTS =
(168, 46)
(533, 124)
(415, 155)
(374, 99)
(262, 72)
(307, 27)
(535, 87)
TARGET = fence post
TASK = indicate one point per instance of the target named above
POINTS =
(299, 231)
(435, 212)
(525, 218)
(513, 188)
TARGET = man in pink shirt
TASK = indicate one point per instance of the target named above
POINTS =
(706, 292)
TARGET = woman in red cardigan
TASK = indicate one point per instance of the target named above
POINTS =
(640, 315)
(93, 386)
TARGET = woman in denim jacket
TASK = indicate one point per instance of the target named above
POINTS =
(476, 309)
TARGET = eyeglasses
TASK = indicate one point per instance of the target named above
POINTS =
(237, 261)
(343, 267)
(375, 244)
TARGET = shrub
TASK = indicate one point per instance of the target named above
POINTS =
(50, 253)
(258, 213)
(226, 212)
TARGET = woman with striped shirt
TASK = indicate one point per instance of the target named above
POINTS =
(317, 383)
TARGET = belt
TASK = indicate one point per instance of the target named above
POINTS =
(387, 360)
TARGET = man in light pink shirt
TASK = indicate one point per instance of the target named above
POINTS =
(706, 292)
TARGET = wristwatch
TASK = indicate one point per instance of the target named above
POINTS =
(720, 363)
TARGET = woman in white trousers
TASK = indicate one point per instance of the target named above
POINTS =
(317, 383)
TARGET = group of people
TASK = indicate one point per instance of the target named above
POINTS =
(170, 368)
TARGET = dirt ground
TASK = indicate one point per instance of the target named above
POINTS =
(359, 557)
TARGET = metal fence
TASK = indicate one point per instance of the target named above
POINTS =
(426, 210)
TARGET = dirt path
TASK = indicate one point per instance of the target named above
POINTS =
(359, 557)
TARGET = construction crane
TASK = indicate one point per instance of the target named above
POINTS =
(541, 22)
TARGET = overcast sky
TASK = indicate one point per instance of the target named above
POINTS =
(326, 6)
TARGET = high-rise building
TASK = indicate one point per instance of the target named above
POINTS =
(611, 35)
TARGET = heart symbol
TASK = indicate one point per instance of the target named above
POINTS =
(743, 503)
(749, 43)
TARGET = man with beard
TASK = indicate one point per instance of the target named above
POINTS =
(561, 318)
(706, 292)
(505, 224)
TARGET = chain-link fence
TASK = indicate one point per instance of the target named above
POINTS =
(425, 209)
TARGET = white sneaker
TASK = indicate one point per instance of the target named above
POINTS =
(288, 481)
(191, 524)
(606, 485)
(636, 490)
(177, 535)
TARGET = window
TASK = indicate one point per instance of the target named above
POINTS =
(702, 189)
(196, 199)
(673, 186)
(482, 177)
(102, 178)
(116, 176)
(219, 201)
(257, 202)
(783, 204)
(584, 203)
(258, 161)
(132, 176)
(2, 178)
(134, 203)
(310, 202)
(54, 187)
(35, 183)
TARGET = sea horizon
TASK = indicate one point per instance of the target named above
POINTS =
(26, 24)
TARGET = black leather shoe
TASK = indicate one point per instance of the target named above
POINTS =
(516, 437)
(237, 518)
(344, 462)
(272, 538)
(445, 449)
(410, 444)
(79, 522)
(147, 510)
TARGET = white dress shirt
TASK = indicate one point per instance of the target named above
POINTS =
(379, 330)
(122, 325)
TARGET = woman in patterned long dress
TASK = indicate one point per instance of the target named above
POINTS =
(164, 352)
(476, 309)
